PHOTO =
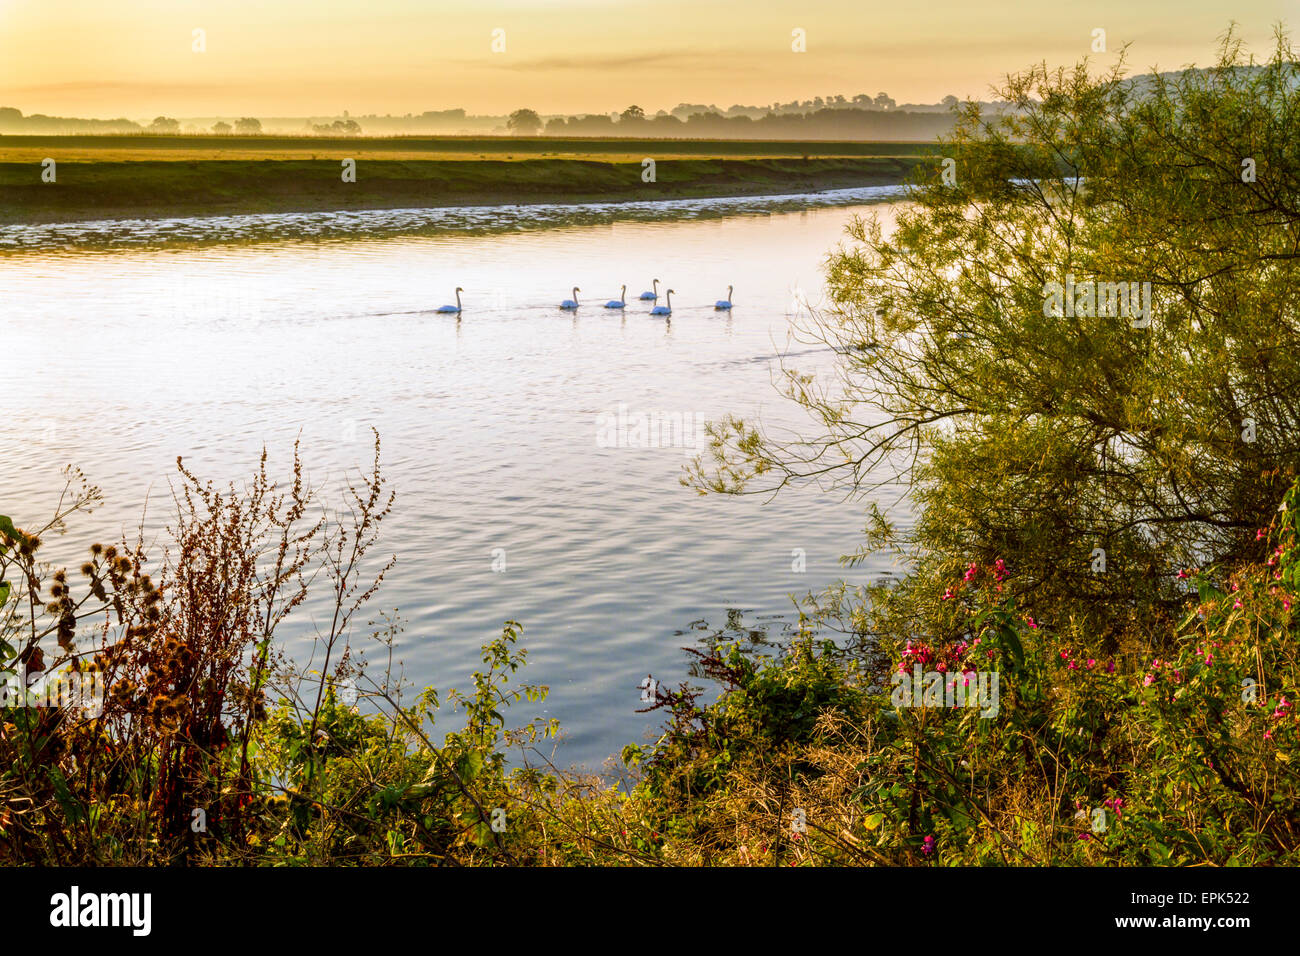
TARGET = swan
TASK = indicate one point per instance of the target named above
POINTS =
(453, 308)
(724, 303)
(653, 296)
(620, 302)
(571, 304)
(664, 309)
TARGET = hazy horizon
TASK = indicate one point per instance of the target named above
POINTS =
(562, 56)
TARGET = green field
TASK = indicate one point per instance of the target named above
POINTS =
(155, 176)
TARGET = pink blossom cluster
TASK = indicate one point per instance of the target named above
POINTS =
(1080, 664)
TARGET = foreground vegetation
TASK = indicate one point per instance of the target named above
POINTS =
(1109, 523)
(211, 748)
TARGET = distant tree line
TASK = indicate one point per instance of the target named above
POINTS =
(827, 122)
(835, 116)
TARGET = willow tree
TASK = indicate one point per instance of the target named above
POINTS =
(1078, 343)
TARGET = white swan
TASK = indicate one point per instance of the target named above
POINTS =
(453, 308)
(664, 309)
(620, 302)
(571, 304)
(653, 296)
(724, 303)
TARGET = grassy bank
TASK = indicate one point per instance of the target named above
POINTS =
(119, 186)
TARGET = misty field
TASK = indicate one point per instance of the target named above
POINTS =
(131, 148)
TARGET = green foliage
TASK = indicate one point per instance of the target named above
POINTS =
(1041, 437)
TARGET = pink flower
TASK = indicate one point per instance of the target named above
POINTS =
(1030, 622)
(1150, 679)
(971, 571)
(927, 845)
(1259, 535)
(1110, 667)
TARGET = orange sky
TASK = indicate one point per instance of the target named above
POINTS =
(134, 58)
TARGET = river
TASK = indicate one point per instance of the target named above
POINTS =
(130, 344)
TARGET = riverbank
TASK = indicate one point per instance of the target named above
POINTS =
(157, 189)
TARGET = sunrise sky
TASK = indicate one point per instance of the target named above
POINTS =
(133, 58)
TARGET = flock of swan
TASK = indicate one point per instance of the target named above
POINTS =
(571, 305)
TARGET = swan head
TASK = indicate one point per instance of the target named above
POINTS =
(459, 289)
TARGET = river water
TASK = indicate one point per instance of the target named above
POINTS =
(518, 496)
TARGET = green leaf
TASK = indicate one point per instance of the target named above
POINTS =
(1013, 644)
